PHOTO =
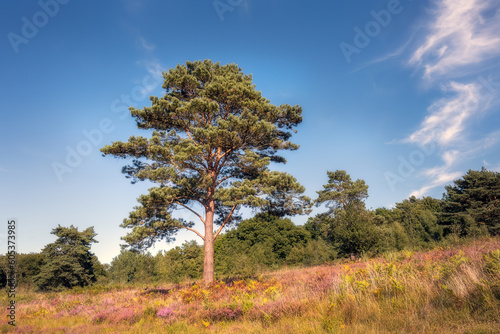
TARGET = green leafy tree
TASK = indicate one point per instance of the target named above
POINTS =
(419, 219)
(213, 140)
(342, 193)
(263, 242)
(68, 261)
(473, 202)
(132, 267)
(347, 225)
(316, 226)
(354, 232)
(27, 267)
(3, 278)
(314, 253)
(180, 262)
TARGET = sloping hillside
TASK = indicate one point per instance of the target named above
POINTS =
(454, 290)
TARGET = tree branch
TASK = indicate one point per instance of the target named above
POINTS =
(225, 221)
(189, 135)
(225, 155)
(196, 213)
(224, 179)
(193, 230)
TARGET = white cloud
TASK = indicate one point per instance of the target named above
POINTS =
(154, 68)
(442, 178)
(494, 167)
(386, 57)
(462, 37)
(154, 79)
(463, 32)
(141, 41)
(439, 176)
(449, 116)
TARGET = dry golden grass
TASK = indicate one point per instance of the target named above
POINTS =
(454, 290)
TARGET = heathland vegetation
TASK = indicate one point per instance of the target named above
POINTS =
(425, 265)
(440, 290)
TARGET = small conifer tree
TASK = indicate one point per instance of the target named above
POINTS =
(68, 261)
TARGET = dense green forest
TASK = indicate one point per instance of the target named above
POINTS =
(470, 208)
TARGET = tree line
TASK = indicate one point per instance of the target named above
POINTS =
(470, 208)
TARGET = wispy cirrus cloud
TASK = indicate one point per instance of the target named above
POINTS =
(442, 177)
(462, 39)
(444, 174)
(141, 41)
(155, 70)
(386, 57)
(400, 52)
(449, 117)
(463, 33)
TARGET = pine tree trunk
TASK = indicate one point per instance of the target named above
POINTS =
(208, 262)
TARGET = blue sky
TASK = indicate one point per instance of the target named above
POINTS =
(402, 94)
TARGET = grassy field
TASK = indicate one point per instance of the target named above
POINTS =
(455, 290)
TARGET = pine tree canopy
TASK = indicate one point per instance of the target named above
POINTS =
(213, 139)
(342, 193)
(476, 194)
(68, 261)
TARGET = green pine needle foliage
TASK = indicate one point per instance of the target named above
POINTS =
(68, 261)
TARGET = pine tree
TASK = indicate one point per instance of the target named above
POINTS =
(347, 224)
(474, 199)
(213, 140)
(342, 193)
(68, 261)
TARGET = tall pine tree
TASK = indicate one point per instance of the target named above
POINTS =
(213, 140)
